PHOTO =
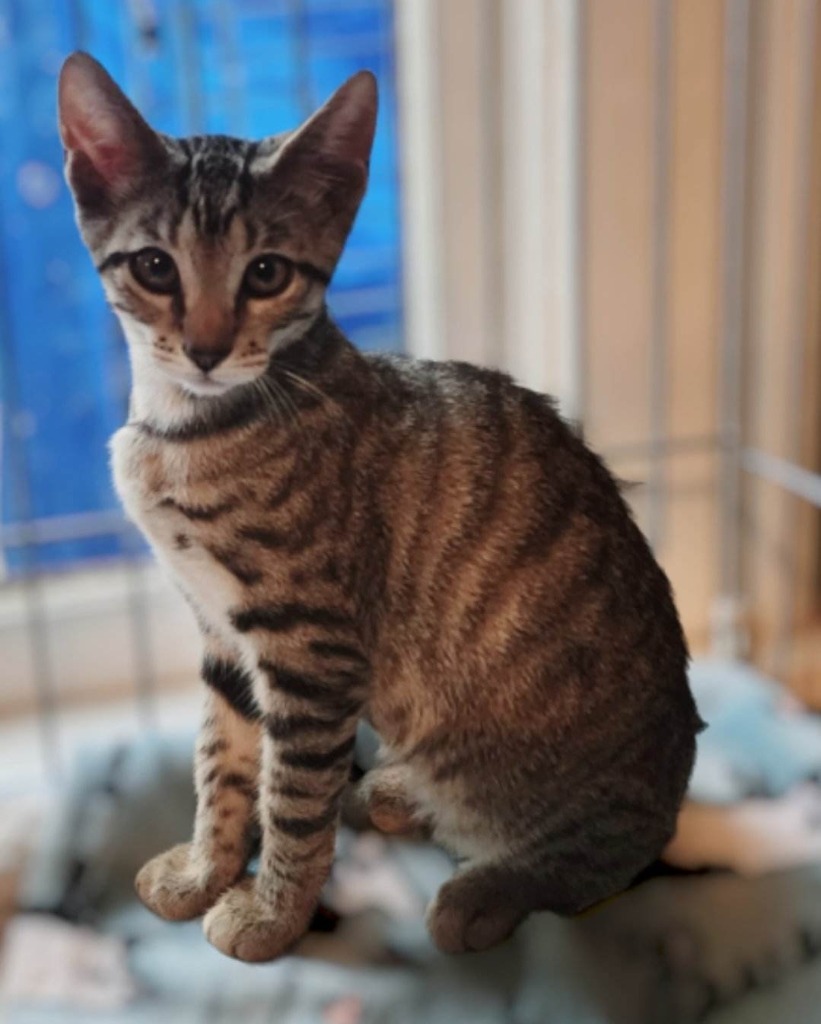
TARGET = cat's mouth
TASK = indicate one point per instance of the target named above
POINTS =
(208, 382)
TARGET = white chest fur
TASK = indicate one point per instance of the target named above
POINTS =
(155, 480)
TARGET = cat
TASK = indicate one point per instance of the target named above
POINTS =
(426, 546)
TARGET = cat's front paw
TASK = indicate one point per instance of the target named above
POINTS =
(175, 887)
(241, 926)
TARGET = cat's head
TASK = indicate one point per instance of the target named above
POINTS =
(214, 252)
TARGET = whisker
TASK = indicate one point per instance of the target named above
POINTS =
(276, 397)
(287, 401)
(311, 388)
(268, 399)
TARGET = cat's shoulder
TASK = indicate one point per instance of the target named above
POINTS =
(462, 384)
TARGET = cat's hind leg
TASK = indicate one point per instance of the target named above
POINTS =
(485, 900)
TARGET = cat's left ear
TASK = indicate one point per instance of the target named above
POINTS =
(324, 163)
(340, 132)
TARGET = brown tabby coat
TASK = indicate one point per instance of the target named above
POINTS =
(424, 545)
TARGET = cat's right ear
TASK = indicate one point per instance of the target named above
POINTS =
(108, 146)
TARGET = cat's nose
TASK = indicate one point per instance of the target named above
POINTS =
(205, 358)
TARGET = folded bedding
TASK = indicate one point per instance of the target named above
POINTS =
(678, 947)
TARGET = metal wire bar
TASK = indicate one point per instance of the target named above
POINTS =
(529, 218)
(733, 199)
(190, 67)
(234, 78)
(420, 117)
(78, 21)
(301, 39)
(36, 625)
(802, 483)
(143, 16)
(52, 529)
(140, 27)
(490, 173)
(798, 311)
(577, 354)
(663, 447)
(662, 50)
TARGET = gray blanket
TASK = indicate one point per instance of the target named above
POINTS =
(676, 948)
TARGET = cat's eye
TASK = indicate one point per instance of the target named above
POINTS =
(155, 270)
(267, 275)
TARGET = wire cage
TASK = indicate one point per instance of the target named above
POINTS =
(251, 67)
(766, 491)
(640, 237)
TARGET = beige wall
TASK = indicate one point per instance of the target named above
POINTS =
(489, 99)
(782, 297)
(781, 293)
(619, 270)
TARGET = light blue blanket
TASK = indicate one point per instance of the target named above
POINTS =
(712, 947)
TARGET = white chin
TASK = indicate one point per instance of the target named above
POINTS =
(205, 388)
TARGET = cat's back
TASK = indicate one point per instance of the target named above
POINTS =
(483, 450)
(513, 551)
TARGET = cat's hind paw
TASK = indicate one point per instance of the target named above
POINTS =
(468, 916)
(175, 888)
(240, 926)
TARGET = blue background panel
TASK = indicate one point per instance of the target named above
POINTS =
(244, 67)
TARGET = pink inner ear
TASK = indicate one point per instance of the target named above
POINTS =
(99, 138)
(113, 163)
(110, 160)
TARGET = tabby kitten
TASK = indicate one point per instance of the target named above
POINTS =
(424, 545)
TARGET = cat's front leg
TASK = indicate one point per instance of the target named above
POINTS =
(311, 708)
(185, 881)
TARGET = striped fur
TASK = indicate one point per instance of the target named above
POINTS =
(427, 545)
